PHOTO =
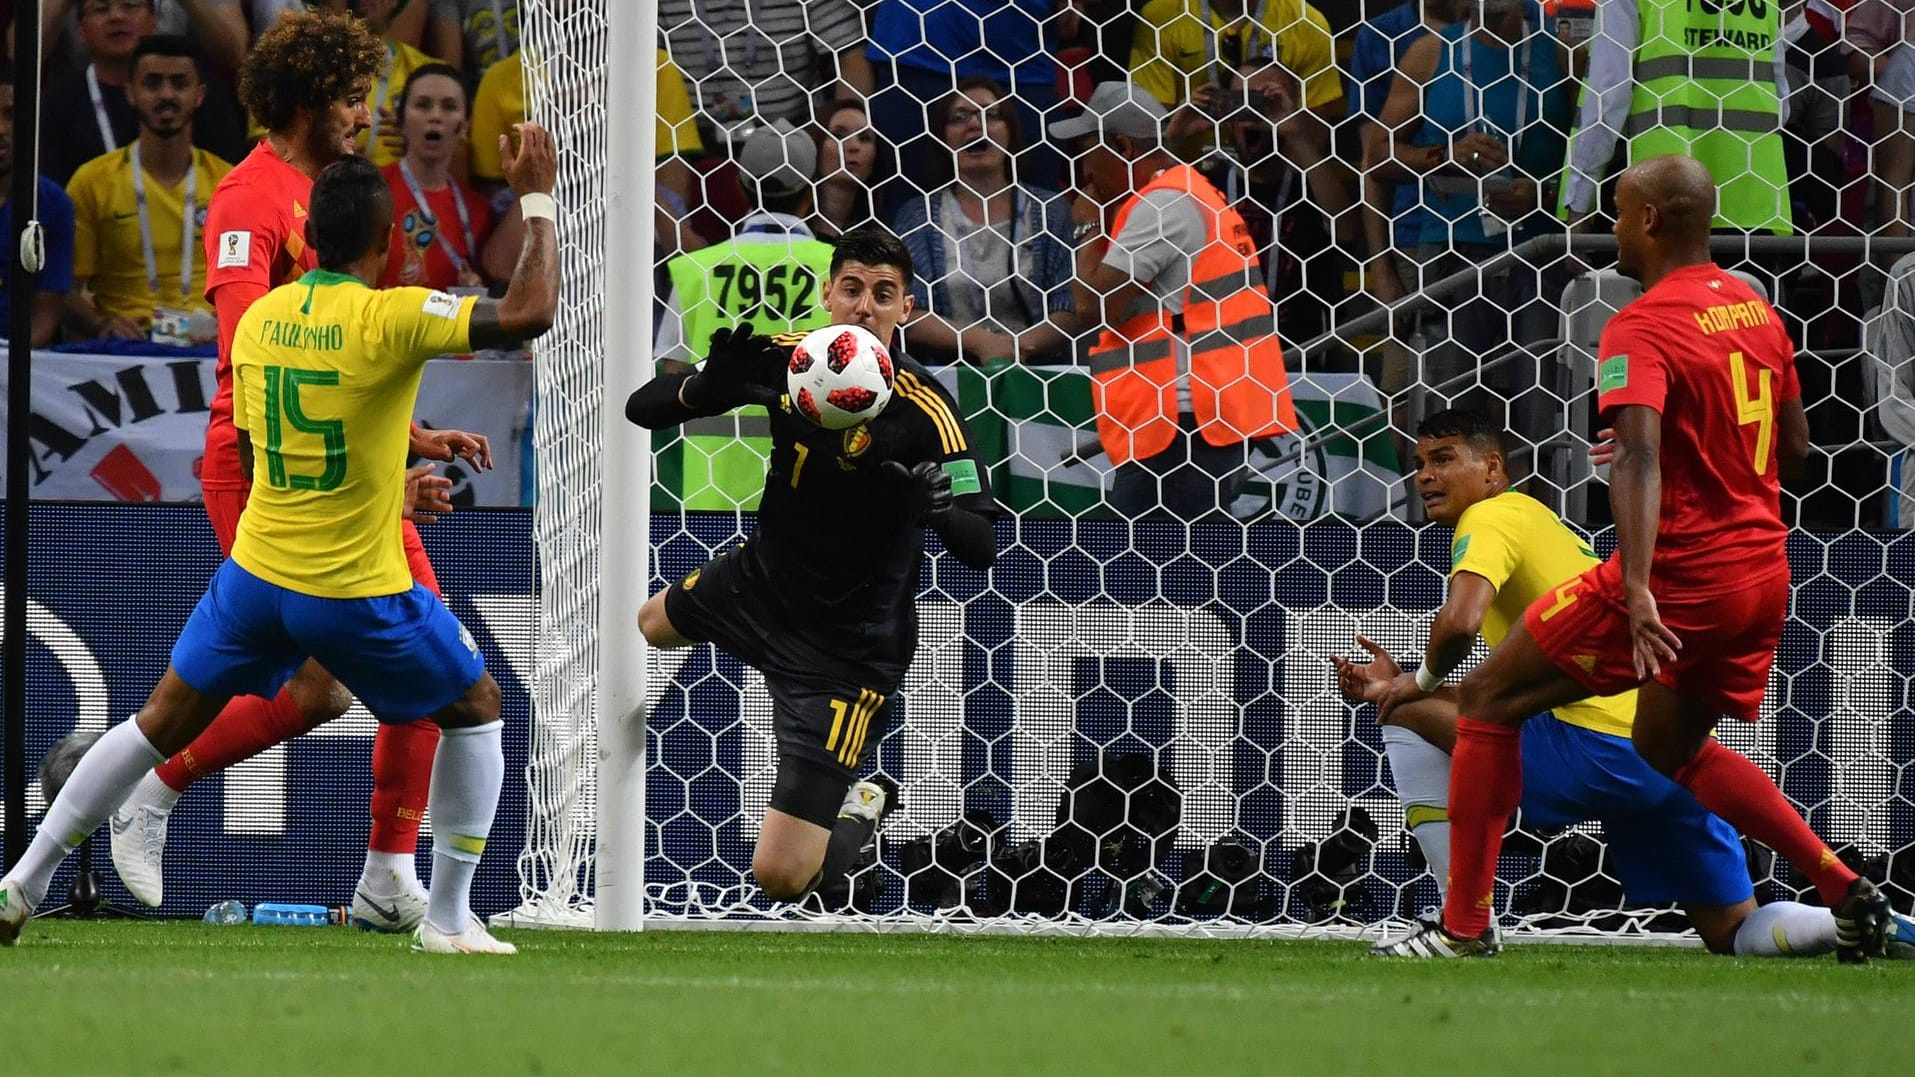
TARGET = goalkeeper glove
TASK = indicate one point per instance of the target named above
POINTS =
(927, 489)
(739, 368)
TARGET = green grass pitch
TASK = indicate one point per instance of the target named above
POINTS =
(115, 998)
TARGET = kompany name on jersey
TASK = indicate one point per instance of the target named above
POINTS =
(442, 305)
(235, 249)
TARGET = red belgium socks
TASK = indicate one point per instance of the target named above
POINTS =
(401, 778)
(1486, 784)
(1729, 784)
(246, 727)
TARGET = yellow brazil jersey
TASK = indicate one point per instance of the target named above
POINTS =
(1525, 551)
(325, 374)
(1170, 46)
(108, 251)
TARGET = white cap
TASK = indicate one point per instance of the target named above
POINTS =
(1115, 108)
(779, 158)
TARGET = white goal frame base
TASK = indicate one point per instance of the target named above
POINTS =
(960, 922)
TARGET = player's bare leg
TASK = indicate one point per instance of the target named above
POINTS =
(247, 726)
(389, 896)
(1516, 681)
(1778, 929)
(790, 855)
(1673, 736)
(467, 774)
(174, 714)
(1717, 925)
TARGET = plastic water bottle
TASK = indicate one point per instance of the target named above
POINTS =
(226, 913)
(273, 912)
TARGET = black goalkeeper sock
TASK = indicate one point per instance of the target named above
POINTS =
(848, 838)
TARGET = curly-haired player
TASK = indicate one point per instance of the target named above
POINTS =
(306, 81)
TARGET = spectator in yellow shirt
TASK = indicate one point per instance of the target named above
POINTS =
(496, 106)
(1174, 56)
(138, 264)
(500, 103)
(473, 35)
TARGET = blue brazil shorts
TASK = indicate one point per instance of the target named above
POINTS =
(1663, 845)
(405, 656)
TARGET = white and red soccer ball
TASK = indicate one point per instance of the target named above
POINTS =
(839, 376)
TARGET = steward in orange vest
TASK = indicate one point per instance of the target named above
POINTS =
(1225, 344)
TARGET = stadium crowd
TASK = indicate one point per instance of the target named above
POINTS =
(1370, 151)
(140, 117)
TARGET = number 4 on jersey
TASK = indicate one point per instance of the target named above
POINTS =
(1759, 409)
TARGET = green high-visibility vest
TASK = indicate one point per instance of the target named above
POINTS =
(1705, 88)
(773, 284)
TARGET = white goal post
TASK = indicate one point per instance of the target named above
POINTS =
(583, 865)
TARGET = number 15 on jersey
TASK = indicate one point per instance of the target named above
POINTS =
(284, 409)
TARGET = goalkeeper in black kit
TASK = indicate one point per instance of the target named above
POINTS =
(821, 598)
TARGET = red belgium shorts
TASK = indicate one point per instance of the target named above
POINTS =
(1728, 640)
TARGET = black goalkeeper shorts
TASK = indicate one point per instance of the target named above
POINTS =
(824, 712)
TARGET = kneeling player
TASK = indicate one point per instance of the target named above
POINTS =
(1698, 379)
(1665, 848)
(1578, 760)
(325, 374)
(821, 599)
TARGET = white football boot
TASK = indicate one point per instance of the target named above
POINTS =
(392, 913)
(475, 939)
(138, 830)
(14, 912)
(869, 800)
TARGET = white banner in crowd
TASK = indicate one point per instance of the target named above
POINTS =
(1320, 473)
(133, 428)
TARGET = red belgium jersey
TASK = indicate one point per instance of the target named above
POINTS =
(255, 234)
(1712, 356)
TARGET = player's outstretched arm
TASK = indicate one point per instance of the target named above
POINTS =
(1366, 682)
(1452, 634)
(428, 496)
(735, 373)
(531, 300)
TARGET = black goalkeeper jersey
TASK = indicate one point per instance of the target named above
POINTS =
(835, 552)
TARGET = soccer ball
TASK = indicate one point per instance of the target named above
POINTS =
(839, 376)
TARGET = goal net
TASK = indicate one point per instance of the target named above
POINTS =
(1131, 725)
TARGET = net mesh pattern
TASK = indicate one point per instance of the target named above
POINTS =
(1181, 669)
